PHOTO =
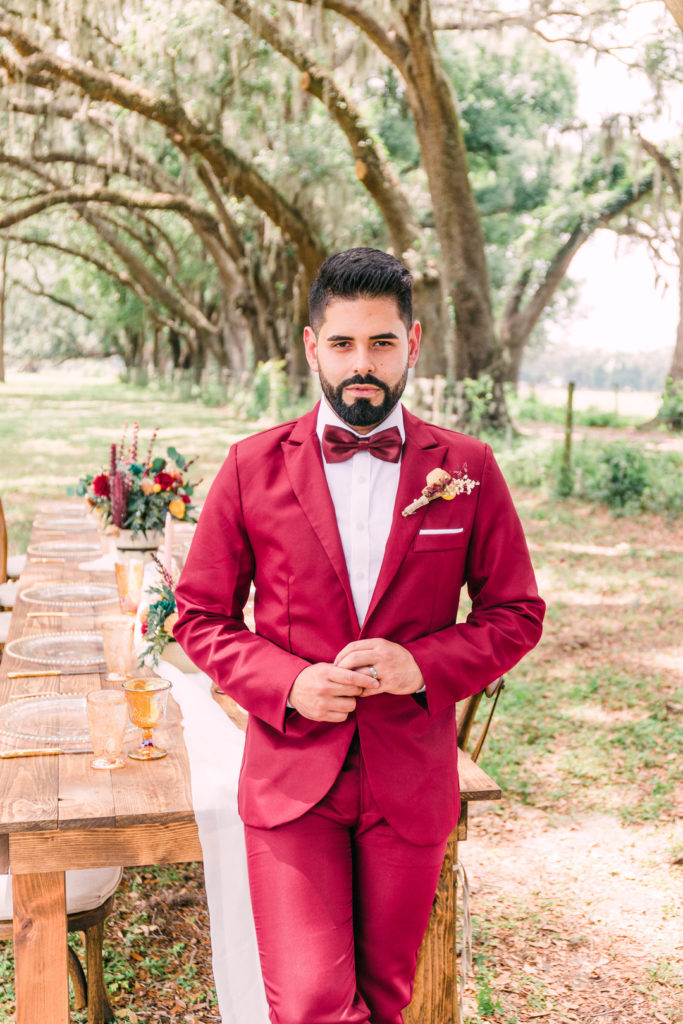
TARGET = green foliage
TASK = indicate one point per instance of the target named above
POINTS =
(476, 401)
(671, 410)
(153, 623)
(488, 1003)
(627, 478)
(624, 477)
(270, 391)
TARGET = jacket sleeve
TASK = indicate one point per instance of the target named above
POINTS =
(211, 595)
(507, 613)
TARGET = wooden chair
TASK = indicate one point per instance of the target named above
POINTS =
(466, 714)
(4, 628)
(88, 987)
(11, 567)
(8, 590)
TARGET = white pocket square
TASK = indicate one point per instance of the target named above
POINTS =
(458, 529)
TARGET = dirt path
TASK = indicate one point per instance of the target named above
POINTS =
(579, 920)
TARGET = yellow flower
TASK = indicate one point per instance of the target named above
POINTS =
(177, 508)
(169, 622)
(156, 488)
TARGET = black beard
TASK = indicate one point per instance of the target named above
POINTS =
(361, 412)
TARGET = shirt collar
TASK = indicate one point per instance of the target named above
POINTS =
(328, 417)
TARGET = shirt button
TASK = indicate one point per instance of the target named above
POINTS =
(362, 479)
(360, 575)
(360, 526)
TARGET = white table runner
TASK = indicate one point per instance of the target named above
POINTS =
(214, 746)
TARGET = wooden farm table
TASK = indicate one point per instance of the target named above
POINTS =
(56, 813)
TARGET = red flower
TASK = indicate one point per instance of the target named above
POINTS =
(143, 627)
(100, 485)
(165, 481)
(185, 498)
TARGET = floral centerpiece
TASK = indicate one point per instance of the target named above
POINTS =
(136, 494)
(158, 620)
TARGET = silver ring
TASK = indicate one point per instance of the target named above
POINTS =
(373, 671)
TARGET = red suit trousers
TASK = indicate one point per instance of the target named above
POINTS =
(341, 903)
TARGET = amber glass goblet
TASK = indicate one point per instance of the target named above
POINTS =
(147, 699)
(129, 576)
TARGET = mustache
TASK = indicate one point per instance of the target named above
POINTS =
(358, 379)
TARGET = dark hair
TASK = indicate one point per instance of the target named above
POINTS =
(361, 273)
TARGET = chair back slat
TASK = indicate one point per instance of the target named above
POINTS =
(466, 714)
(3, 545)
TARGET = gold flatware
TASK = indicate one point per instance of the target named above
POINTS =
(29, 753)
(42, 693)
(56, 672)
(53, 561)
(60, 615)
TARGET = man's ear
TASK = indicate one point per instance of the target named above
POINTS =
(311, 347)
(414, 337)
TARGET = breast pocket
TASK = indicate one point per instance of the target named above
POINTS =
(440, 539)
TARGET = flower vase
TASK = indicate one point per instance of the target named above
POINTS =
(143, 543)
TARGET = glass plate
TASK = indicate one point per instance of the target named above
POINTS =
(65, 524)
(65, 548)
(72, 509)
(55, 721)
(70, 595)
(60, 649)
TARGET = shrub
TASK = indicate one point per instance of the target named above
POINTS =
(627, 478)
(671, 410)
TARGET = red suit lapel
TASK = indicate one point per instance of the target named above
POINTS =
(304, 465)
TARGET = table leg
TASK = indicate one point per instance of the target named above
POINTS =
(41, 963)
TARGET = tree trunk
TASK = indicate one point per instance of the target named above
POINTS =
(432, 312)
(458, 225)
(3, 293)
(676, 8)
(676, 369)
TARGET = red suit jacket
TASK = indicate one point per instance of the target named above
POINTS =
(269, 517)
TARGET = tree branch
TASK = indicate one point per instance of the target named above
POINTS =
(41, 293)
(186, 131)
(375, 173)
(176, 304)
(393, 46)
(667, 165)
(132, 200)
(517, 329)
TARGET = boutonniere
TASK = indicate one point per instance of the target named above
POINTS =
(441, 484)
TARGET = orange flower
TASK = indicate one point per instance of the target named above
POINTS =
(169, 622)
(177, 508)
(147, 486)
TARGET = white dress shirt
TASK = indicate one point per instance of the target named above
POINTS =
(363, 491)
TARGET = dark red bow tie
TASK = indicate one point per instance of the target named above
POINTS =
(339, 444)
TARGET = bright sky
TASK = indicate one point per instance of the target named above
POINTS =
(620, 309)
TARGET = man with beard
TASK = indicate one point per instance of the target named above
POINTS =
(349, 785)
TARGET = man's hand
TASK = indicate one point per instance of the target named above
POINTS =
(327, 693)
(397, 671)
